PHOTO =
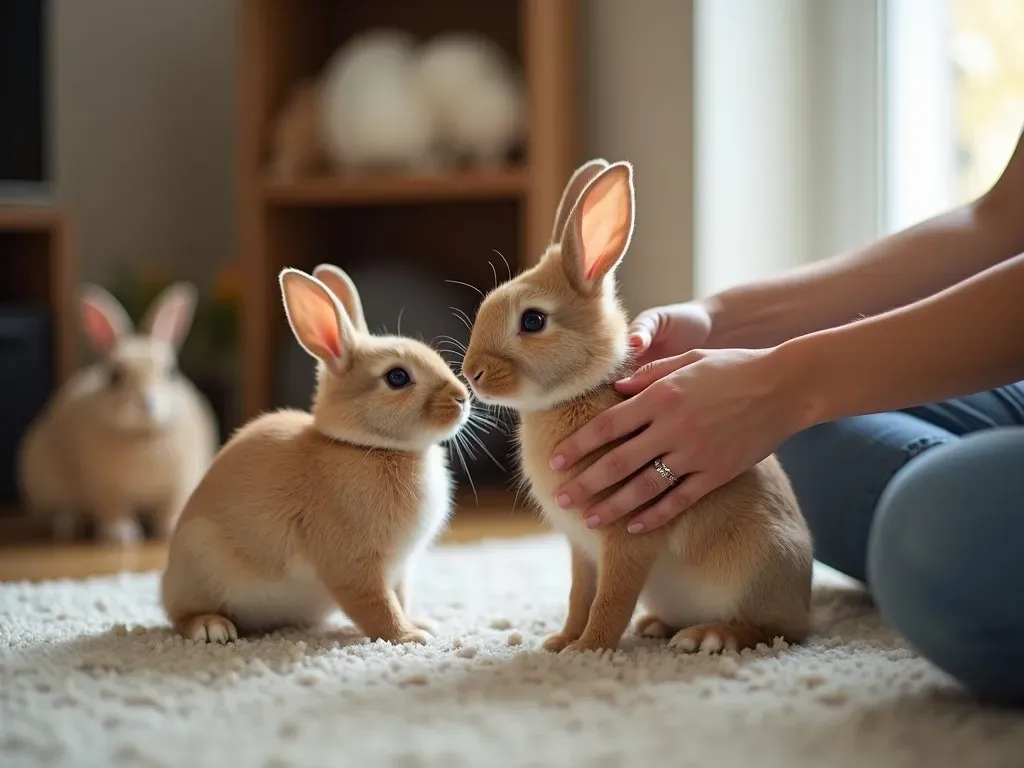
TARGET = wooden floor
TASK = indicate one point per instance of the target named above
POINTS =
(24, 555)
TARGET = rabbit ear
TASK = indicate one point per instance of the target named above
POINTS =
(579, 179)
(344, 289)
(104, 319)
(599, 229)
(169, 317)
(317, 318)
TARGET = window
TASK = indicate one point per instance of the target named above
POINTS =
(953, 78)
(825, 124)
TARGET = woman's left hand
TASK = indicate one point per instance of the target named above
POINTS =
(708, 414)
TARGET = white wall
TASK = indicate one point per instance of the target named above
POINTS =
(145, 130)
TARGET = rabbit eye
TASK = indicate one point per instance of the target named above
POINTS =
(532, 321)
(115, 377)
(397, 378)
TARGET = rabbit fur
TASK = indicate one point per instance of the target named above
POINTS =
(475, 97)
(735, 570)
(126, 434)
(372, 115)
(302, 513)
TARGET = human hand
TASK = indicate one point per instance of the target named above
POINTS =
(667, 331)
(708, 414)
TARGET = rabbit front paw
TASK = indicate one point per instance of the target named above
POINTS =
(122, 532)
(209, 628)
(557, 641)
(418, 636)
(426, 625)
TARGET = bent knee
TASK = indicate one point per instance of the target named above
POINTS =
(943, 554)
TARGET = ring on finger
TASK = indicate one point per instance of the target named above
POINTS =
(666, 474)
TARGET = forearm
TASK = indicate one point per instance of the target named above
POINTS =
(965, 339)
(893, 272)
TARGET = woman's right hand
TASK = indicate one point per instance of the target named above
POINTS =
(668, 331)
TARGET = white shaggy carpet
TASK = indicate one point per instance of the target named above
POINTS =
(92, 676)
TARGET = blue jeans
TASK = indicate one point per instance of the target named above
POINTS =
(927, 507)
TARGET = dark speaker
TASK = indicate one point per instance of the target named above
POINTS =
(26, 380)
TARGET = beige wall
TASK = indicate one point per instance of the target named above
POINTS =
(145, 115)
(638, 92)
(144, 143)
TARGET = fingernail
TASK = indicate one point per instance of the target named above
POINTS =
(557, 462)
(635, 340)
(635, 527)
(593, 521)
(563, 500)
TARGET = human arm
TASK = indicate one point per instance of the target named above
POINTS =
(966, 339)
(889, 273)
(713, 414)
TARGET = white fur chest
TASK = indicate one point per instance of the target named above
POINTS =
(543, 483)
(434, 510)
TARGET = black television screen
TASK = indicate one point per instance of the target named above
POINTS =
(24, 157)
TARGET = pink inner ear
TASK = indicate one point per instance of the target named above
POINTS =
(97, 327)
(604, 224)
(328, 331)
(169, 323)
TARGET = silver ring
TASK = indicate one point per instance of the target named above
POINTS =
(666, 473)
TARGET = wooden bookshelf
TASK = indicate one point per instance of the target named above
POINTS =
(37, 268)
(444, 219)
(388, 189)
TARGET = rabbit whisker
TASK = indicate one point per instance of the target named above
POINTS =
(457, 443)
(468, 285)
(465, 321)
(480, 443)
(507, 265)
(453, 340)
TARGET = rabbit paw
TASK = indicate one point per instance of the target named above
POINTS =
(419, 636)
(124, 532)
(715, 638)
(65, 526)
(652, 626)
(209, 628)
(587, 644)
(557, 642)
(425, 624)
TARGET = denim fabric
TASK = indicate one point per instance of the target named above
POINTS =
(927, 507)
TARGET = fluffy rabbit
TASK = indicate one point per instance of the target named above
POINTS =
(372, 115)
(735, 570)
(128, 434)
(301, 513)
(475, 97)
(296, 147)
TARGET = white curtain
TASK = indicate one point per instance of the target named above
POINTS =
(788, 134)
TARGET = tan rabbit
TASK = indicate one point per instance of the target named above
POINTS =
(732, 572)
(128, 434)
(302, 513)
(296, 147)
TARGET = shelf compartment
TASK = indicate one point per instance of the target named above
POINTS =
(396, 188)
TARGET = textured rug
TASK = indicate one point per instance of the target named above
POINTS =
(91, 675)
